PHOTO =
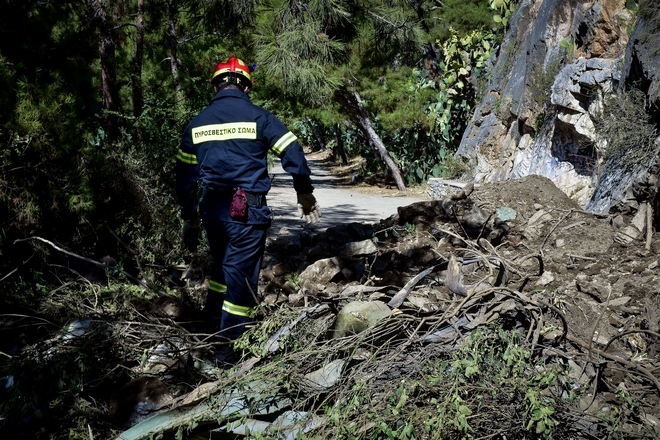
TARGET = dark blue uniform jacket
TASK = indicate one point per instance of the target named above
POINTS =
(225, 147)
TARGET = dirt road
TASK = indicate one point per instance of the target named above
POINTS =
(340, 203)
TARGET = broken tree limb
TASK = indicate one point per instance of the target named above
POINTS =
(649, 226)
(401, 295)
(97, 263)
(645, 372)
(561, 220)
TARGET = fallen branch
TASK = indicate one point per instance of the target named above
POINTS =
(401, 295)
(561, 220)
(97, 263)
(649, 226)
(645, 372)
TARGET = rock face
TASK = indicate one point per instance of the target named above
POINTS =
(558, 61)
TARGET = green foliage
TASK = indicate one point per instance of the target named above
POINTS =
(491, 374)
(254, 340)
(538, 122)
(463, 64)
(494, 365)
(463, 16)
(293, 47)
(625, 128)
(505, 9)
(569, 45)
(632, 5)
(542, 80)
(57, 377)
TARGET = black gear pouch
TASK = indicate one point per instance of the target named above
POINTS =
(238, 209)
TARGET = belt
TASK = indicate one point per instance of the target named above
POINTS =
(256, 200)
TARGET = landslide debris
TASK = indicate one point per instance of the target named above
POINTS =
(503, 310)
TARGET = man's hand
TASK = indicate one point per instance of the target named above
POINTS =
(191, 234)
(308, 208)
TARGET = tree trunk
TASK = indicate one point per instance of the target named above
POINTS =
(317, 139)
(137, 81)
(352, 103)
(98, 19)
(175, 63)
(340, 145)
(363, 138)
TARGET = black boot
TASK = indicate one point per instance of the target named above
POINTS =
(225, 357)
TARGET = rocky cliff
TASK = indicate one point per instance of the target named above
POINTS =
(538, 115)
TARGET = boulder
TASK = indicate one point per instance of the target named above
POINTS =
(364, 247)
(317, 275)
(358, 316)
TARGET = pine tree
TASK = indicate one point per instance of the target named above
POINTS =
(318, 50)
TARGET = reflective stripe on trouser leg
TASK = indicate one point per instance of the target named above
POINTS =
(241, 267)
(217, 240)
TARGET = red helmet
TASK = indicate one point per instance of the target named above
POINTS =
(233, 70)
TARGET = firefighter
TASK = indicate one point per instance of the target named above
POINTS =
(225, 148)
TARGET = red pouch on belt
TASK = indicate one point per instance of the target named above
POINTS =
(238, 209)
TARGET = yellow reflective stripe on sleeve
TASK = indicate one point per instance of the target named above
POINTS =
(237, 310)
(283, 142)
(217, 287)
(224, 132)
(186, 158)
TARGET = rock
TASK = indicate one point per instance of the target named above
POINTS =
(420, 213)
(619, 301)
(475, 218)
(290, 288)
(576, 373)
(642, 59)
(618, 222)
(439, 189)
(346, 233)
(364, 247)
(639, 220)
(357, 316)
(281, 269)
(274, 298)
(540, 217)
(656, 247)
(325, 377)
(545, 279)
(297, 299)
(505, 213)
(627, 235)
(321, 273)
(514, 133)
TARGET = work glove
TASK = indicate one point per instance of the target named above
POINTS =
(191, 234)
(308, 208)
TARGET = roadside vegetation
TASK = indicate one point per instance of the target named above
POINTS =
(95, 98)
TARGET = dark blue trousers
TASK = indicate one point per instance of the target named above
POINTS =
(237, 251)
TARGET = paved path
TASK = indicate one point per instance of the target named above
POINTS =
(339, 203)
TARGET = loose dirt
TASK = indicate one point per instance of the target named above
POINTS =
(557, 254)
